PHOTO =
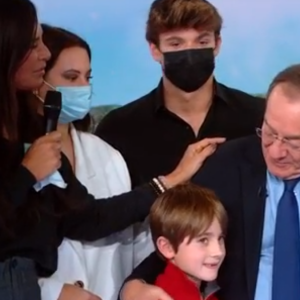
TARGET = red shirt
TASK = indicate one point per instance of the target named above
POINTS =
(175, 282)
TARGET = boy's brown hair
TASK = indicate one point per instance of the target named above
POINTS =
(167, 15)
(185, 211)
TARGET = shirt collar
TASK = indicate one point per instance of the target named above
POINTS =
(219, 93)
(179, 277)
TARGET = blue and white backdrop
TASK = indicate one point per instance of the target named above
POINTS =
(259, 39)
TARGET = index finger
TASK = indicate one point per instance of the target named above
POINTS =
(48, 138)
(208, 141)
(54, 136)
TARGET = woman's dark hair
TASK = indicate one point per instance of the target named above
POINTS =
(57, 39)
(18, 22)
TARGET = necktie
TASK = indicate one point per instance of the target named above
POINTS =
(286, 259)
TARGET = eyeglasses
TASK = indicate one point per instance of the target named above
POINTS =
(270, 137)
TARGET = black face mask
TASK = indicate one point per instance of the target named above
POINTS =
(189, 69)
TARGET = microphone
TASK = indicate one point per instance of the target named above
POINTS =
(52, 108)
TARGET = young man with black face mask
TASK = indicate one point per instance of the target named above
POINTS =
(189, 104)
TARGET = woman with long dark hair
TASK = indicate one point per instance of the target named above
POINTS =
(34, 221)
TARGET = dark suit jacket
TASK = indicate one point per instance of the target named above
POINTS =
(237, 173)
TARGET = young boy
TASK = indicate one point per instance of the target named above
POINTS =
(188, 224)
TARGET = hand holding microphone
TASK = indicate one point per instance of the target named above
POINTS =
(44, 156)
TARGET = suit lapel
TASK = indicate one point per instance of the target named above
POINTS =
(253, 179)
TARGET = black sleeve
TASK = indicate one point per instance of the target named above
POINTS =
(148, 269)
(19, 185)
(108, 129)
(99, 218)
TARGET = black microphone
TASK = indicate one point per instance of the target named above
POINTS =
(52, 108)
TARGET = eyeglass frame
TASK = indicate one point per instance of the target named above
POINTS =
(275, 137)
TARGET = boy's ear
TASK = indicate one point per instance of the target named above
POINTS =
(165, 248)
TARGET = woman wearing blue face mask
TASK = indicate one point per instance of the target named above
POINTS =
(84, 269)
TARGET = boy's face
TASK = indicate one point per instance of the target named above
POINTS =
(185, 39)
(202, 257)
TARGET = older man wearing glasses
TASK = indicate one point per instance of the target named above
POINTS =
(258, 180)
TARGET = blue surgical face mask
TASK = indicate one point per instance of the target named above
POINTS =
(76, 102)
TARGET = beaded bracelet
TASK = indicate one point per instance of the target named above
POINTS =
(157, 186)
(162, 181)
